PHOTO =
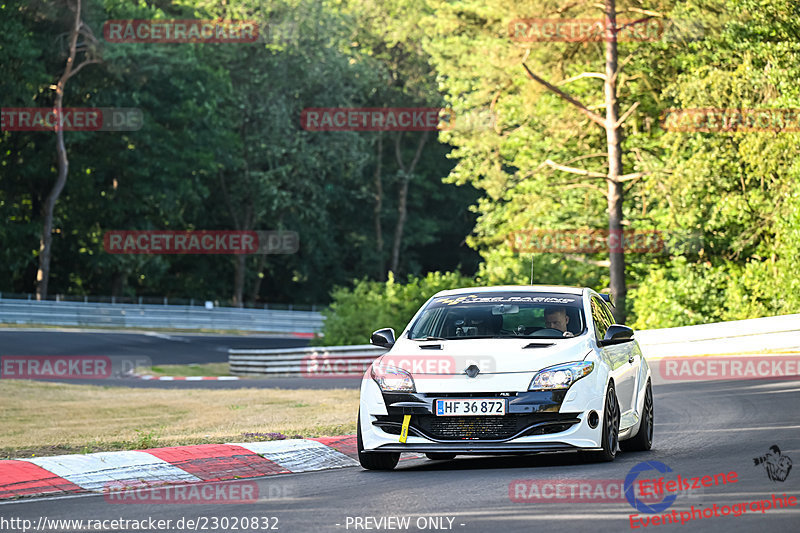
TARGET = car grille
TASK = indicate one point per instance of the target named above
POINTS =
(469, 427)
(480, 427)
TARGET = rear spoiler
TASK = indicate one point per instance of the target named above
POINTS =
(607, 297)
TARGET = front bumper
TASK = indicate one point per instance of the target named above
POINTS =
(533, 423)
(477, 448)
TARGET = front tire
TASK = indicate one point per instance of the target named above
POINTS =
(610, 438)
(372, 460)
(643, 440)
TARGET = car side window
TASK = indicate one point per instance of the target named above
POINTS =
(599, 318)
(608, 313)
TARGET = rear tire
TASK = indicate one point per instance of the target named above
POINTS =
(440, 456)
(373, 460)
(643, 440)
(610, 438)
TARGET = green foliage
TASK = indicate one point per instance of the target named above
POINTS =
(734, 192)
(222, 148)
(359, 310)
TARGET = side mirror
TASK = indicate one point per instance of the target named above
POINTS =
(616, 334)
(383, 338)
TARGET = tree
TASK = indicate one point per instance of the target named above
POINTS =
(612, 124)
(405, 173)
(386, 32)
(88, 47)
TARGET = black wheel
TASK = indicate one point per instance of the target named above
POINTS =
(610, 428)
(643, 440)
(372, 460)
(439, 456)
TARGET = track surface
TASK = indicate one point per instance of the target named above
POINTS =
(702, 428)
(161, 348)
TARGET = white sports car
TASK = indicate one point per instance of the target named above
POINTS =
(503, 370)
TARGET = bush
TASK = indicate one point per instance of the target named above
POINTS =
(369, 305)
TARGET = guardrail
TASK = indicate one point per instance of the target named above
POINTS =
(773, 333)
(309, 362)
(759, 334)
(157, 316)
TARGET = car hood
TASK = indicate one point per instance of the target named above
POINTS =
(503, 364)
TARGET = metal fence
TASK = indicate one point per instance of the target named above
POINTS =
(157, 300)
(760, 334)
(772, 333)
(332, 361)
(91, 314)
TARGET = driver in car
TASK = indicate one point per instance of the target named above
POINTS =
(556, 318)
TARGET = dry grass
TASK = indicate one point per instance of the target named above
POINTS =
(204, 369)
(52, 418)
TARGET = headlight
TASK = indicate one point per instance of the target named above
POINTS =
(392, 379)
(560, 376)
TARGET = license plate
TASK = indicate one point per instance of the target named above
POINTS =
(470, 407)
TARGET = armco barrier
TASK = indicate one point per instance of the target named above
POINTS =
(158, 316)
(759, 334)
(773, 333)
(302, 361)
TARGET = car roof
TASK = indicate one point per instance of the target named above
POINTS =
(563, 289)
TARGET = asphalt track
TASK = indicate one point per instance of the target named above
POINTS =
(702, 428)
(244, 383)
(160, 348)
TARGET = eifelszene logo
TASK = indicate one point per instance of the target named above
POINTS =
(776, 464)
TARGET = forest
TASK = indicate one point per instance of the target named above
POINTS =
(681, 121)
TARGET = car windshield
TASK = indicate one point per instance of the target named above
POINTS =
(500, 314)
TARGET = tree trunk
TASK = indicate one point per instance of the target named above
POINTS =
(117, 284)
(615, 190)
(262, 259)
(238, 283)
(612, 124)
(377, 210)
(244, 223)
(402, 200)
(46, 241)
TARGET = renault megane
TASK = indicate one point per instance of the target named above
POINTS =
(503, 370)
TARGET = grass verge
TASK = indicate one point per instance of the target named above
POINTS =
(42, 418)
(205, 369)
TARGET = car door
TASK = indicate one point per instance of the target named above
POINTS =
(634, 357)
(621, 359)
